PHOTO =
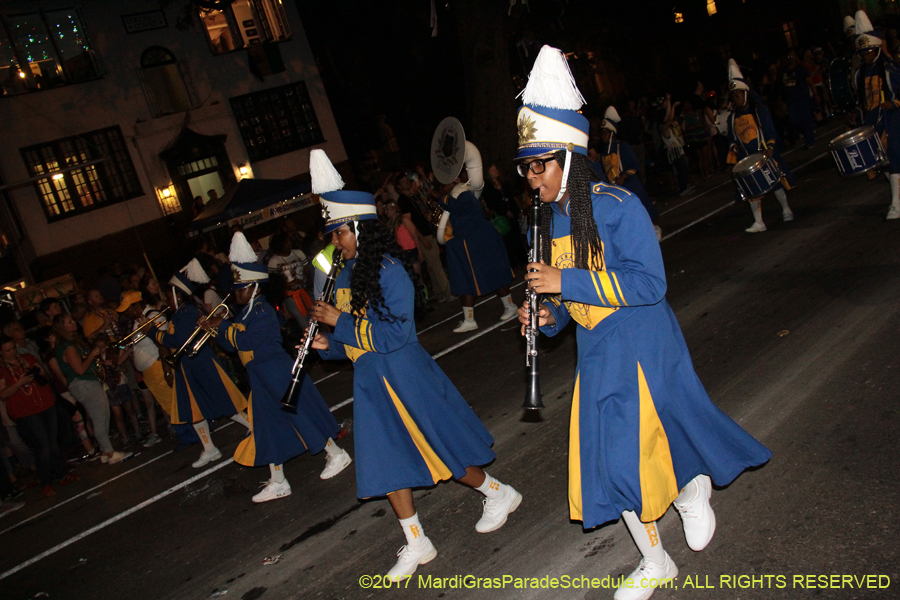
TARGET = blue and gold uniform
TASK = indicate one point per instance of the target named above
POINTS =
(879, 83)
(476, 255)
(642, 425)
(276, 436)
(752, 130)
(203, 389)
(413, 428)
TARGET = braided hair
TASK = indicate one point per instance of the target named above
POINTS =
(373, 241)
(586, 245)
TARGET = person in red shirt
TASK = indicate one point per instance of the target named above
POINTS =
(30, 402)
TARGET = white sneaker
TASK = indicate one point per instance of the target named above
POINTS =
(756, 228)
(788, 216)
(116, 457)
(658, 231)
(697, 515)
(334, 464)
(465, 326)
(207, 457)
(410, 558)
(508, 313)
(273, 491)
(893, 213)
(646, 578)
(151, 440)
(496, 510)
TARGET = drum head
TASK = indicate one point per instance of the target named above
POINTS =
(749, 164)
(852, 137)
(448, 149)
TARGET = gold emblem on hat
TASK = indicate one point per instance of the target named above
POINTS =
(326, 214)
(527, 130)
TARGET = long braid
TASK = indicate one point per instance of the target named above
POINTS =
(586, 244)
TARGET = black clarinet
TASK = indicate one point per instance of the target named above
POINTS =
(533, 392)
(292, 396)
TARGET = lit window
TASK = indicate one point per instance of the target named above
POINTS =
(245, 23)
(277, 121)
(711, 7)
(45, 49)
(164, 82)
(679, 18)
(96, 184)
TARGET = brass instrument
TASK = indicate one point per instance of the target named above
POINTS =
(533, 393)
(143, 331)
(193, 345)
(292, 396)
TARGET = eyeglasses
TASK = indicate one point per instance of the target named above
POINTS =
(537, 166)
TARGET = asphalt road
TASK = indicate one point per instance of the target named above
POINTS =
(794, 332)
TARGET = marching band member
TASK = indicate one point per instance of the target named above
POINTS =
(202, 388)
(146, 356)
(878, 85)
(750, 130)
(413, 428)
(643, 434)
(276, 435)
(476, 254)
(621, 164)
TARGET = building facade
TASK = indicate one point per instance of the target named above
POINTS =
(119, 118)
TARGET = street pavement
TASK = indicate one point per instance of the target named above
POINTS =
(795, 333)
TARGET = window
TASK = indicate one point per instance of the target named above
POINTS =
(679, 18)
(276, 121)
(45, 49)
(96, 184)
(711, 7)
(790, 34)
(244, 23)
(164, 82)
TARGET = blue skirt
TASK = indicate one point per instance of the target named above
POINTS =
(642, 424)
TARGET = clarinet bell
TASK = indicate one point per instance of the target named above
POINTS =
(291, 397)
(533, 393)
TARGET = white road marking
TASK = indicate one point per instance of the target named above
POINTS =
(114, 519)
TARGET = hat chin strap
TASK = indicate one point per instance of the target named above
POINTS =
(565, 177)
(175, 297)
(252, 298)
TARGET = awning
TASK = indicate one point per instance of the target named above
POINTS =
(270, 198)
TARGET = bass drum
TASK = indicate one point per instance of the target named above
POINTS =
(840, 84)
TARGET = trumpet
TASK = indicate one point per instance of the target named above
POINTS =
(533, 393)
(292, 396)
(144, 330)
(193, 345)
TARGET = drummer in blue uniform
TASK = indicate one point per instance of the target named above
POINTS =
(798, 92)
(751, 131)
(476, 254)
(276, 435)
(203, 390)
(878, 87)
(644, 433)
(621, 165)
(413, 428)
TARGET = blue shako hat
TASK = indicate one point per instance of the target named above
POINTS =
(180, 281)
(549, 119)
(339, 206)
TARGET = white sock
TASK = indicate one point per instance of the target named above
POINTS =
(895, 190)
(332, 448)
(507, 301)
(277, 472)
(782, 200)
(412, 529)
(757, 211)
(240, 419)
(491, 487)
(202, 429)
(646, 537)
(469, 313)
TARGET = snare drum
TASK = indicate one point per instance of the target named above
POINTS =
(840, 84)
(755, 176)
(858, 151)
